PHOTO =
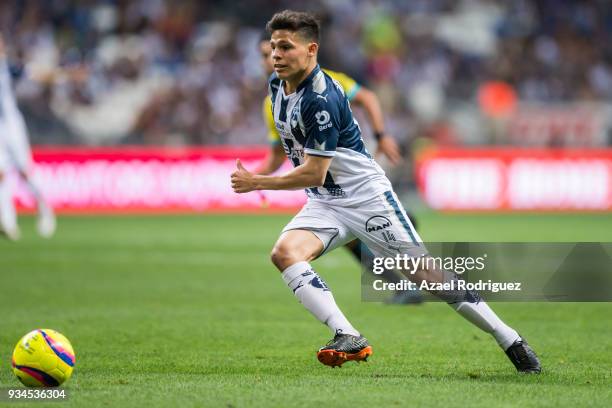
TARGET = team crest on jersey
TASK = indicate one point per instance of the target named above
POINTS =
(295, 112)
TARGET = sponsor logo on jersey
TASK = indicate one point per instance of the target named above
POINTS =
(323, 118)
(295, 153)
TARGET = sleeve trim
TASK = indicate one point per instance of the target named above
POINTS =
(314, 152)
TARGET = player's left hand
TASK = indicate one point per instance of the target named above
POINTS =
(388, 146)
(242, 179)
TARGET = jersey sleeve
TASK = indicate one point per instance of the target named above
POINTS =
(273, 136)
(321, 122)
(348, 84)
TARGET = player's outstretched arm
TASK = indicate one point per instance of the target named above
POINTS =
(370, 103)
(309, 174)
(274, 159)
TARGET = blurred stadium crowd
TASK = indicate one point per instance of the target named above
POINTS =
(162, 72)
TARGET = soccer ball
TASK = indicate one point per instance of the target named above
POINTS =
(43, 358)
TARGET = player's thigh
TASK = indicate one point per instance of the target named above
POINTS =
(324, 223)
(384, 227)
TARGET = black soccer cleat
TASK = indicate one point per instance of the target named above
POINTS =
(523, 357)
(343, 348)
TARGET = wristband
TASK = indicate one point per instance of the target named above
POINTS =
(378, 135)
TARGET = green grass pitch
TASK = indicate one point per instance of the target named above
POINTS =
(188, 311)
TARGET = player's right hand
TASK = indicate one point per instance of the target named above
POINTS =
(242, 179)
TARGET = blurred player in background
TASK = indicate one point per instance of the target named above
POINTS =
(359, 96)
(15, 155)
(347, 192)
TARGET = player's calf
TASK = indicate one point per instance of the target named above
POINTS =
(312, 292)
(470, 305)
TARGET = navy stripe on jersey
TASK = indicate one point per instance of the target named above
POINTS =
(282, 115)
(273, 88)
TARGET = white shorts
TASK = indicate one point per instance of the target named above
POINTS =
(380, 223)
(15, 152)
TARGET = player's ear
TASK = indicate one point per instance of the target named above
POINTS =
(313, 47)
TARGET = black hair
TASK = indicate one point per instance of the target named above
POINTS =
(301, 22)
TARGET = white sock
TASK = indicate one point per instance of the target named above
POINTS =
(481, 315)
(314, 294)
(8, 217)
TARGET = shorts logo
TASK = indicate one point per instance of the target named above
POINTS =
(388, 236)
(377, 223)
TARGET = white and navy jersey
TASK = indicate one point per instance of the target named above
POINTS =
(317, 120)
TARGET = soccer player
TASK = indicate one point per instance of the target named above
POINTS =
(357, 96)
(347, 191)
(15, 155)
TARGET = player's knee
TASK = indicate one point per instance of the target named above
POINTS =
(284, 254)
(280, 256)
